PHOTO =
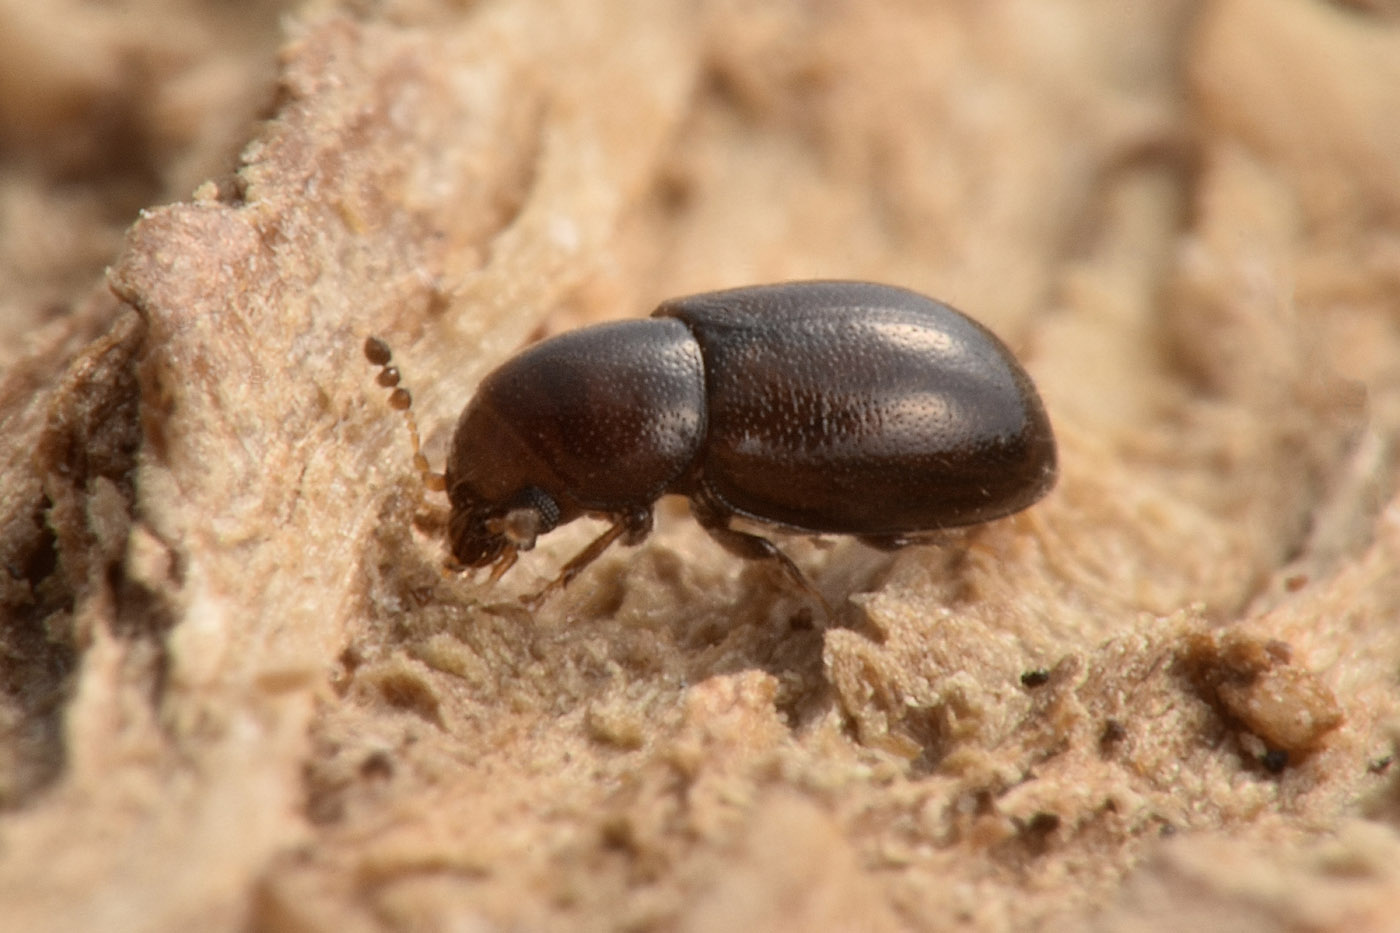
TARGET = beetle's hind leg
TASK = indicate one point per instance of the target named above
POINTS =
(631, 527)
(752, 547)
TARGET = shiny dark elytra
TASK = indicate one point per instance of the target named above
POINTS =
(815, 407)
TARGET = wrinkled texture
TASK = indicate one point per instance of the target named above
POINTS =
(237, 690)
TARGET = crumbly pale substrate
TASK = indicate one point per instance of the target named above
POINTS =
(239, 690)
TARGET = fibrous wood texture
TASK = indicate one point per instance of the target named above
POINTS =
(237, 690)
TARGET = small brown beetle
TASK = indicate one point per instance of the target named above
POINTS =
(815, 407)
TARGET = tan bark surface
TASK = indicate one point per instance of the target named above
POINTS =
(237, 690)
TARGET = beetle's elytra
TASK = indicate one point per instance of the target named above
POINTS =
(815, 407)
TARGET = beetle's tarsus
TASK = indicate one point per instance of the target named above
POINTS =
(503, 563)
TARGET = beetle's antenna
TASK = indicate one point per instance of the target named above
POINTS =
(378, 353)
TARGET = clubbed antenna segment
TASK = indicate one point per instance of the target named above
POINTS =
(378, 353)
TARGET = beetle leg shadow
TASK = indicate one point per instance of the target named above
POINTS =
(631, 527)
(753, 547)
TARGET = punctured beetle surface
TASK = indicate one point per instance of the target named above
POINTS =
(820, 407)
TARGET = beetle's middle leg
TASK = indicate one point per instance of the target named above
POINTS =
(631, 527)
(751, 547)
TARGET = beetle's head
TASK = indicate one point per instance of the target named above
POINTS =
(481, 533)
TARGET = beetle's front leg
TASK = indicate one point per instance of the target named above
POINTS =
(632, 527)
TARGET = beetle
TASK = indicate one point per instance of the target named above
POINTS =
(818, 407)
